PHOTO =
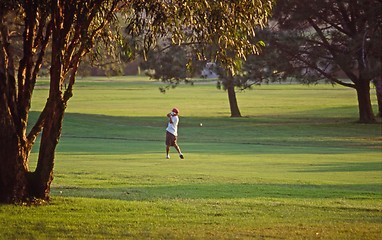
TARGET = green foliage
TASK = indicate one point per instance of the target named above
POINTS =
(170, 64)
(302, 171)
(220, 32)
(228, 24)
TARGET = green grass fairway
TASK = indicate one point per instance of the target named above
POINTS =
(297, 166)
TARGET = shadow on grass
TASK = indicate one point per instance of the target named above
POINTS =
(262, 134)
(345, 167)
(227, 191)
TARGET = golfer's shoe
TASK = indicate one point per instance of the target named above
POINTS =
(181, 156)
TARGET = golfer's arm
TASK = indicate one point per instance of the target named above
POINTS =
(170, 119)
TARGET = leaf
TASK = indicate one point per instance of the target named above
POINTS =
(260, 43)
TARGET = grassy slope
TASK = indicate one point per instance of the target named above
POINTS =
(297, 166)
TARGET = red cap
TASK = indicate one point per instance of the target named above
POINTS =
(175, 110)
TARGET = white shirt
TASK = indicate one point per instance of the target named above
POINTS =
(173, 127)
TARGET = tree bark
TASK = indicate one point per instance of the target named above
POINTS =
(234, 107)
(41, 179)
(378, 89)
(12, 158)
(366, 114)
(13, 151)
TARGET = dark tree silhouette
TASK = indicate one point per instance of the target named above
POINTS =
(326, 38)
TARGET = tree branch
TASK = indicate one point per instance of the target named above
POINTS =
(330, 48)
(312, 65)
(8, 84)
(37, 128)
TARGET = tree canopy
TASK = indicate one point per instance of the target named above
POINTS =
(325, 39)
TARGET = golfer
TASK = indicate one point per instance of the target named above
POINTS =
(172, 133)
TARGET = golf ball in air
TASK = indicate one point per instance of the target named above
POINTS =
(201, 124)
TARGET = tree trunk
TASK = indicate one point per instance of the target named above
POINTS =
(17, 184)
(12, 158)
(378, 88)
(235, 112)
(13, 151)
(71, 40)
(366, 114)
(41, 179)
